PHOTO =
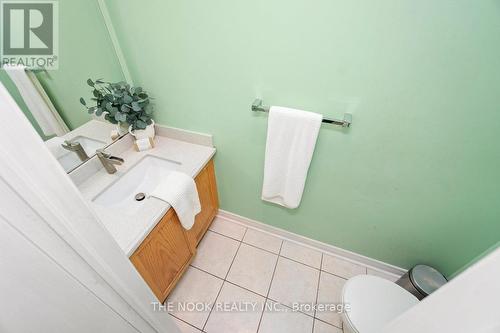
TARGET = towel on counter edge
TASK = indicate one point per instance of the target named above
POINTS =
(179, 190)
(291, 138)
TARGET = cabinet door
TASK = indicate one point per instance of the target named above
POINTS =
(207, 191)
(163, 255)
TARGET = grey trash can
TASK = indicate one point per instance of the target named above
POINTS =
(422, 280)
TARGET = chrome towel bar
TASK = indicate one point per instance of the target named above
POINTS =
(346, 122)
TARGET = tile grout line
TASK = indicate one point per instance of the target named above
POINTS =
(294, 260)
(270, 284)
(223, 281)
(317, 292)
(185, 322)
(305, 314)
(243, 241)
(340, 277)
(298, 262)
(219, 233)
(279, 254)
(239, 246)
(213, 305)
(315, 248)
(266, 298)
(232, 283)
(329, 324)
(283, 256)
(256, 247)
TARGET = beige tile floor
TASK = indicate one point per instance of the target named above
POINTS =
(254, 278)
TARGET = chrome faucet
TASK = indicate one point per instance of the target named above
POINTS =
(77, 148)
(108, 161)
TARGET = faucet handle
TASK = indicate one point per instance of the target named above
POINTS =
(115, 160)
(108, 160)
(70, 144)
(101, 153)
(108, 157)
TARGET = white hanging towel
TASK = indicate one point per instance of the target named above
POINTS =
(37, 100)
(179, 190)
(291, 137)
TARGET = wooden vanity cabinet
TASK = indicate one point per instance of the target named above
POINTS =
(166, 252)
(207, 191)
(164, 255)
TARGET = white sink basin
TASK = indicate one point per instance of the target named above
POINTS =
(70, 160)
(141, 178)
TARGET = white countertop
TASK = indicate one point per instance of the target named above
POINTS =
(130, 230)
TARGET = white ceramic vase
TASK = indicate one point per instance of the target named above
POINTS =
(122, 128)
(148, 132)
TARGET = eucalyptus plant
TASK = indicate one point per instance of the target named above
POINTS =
(120, 103)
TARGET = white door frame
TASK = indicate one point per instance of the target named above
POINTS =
(35, 175)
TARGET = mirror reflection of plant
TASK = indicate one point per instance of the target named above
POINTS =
(120, 103)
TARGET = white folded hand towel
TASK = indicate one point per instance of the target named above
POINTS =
(291, 138)
(179, 190)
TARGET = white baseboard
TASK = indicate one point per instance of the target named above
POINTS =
(323, 247)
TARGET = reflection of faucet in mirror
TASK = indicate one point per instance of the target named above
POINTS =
(86, 133)
(108, 161)
(77, 148)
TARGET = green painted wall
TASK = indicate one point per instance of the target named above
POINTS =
(415, 179)
(85, 50)
(477, 258)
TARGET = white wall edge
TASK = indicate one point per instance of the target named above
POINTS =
(323, 247)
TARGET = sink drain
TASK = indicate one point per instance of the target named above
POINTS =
(140, 196)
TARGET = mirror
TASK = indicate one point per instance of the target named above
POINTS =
(71, 144)
(76, 48)
(80, 144)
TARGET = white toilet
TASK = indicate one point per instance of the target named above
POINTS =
(373, 303)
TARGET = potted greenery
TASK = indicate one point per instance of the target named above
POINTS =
(128, 107)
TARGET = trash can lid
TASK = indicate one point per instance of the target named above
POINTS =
(426, 279)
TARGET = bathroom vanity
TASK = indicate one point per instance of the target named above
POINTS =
(148, 231)
(166, 252)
